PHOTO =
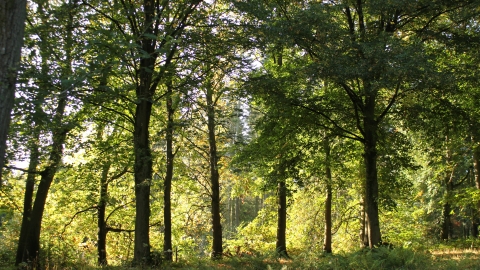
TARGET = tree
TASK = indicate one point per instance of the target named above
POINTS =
(358, 49)
(12, 25)
(29, 246)
(150, 32)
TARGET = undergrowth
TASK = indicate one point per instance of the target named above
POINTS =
(380, 258)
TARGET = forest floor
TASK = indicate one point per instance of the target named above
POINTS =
(378, 259)
(381, 259)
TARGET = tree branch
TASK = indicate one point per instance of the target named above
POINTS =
(76, 214)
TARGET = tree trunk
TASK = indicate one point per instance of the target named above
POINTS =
(446, 222)
(167, 186)
(371, 178)
(217, 246)
(281, 245)
(32, 168)
(32, 249)
(237, 213)
(12, 26)
(143, 155)
(446, 231)
(59, 133)
(143, 177)
(28, 199)
(230, 215)
(102, 225)
(327, 244)
(363, 225)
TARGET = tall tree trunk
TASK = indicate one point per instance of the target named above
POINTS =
(102, 225)
(32, 249)
(12, 26)
(143, 177)
(281, 244)
(327, 244)
(59, 131)
(141, 138)
(446, 227)
(32, 168)
(217, 245)
(167, 186)
(28, 199)
(371, 178)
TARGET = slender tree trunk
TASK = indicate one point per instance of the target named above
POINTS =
(32, 168)
(59, 134)
(231, 215)
(446, 231)
(167, 186)
(28, 199)
(32, 249)
(102, 225)
(217, 245)
(237, 213)
(281, 244)
(371, 178)
(12, 26)
(327, 244)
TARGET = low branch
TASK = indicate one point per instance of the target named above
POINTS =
(117, 208)
(120, 174)
(464, 178)
(22, 170)
(333, 122)
(76, 214)
(111, 229)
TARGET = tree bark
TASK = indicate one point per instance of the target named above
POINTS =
(143, 155)
(32, 168)
(102, 225)
(32, 250)
(143, 177)
(59, 131)
(12, 27)
(167, 186)
(446, 222)
(370, 127)
(281, 244)
(363, 225)
(28, 199)
(217, 243)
